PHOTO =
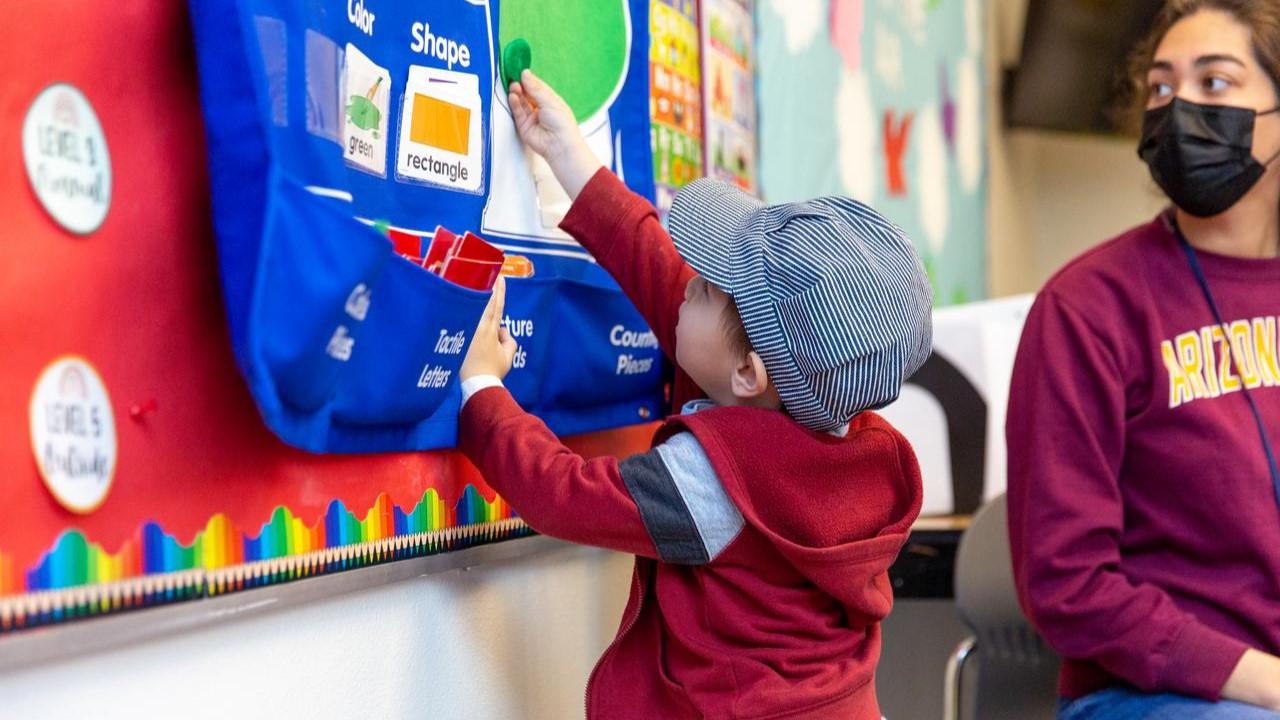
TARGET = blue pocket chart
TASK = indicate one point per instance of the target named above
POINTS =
(331, 121)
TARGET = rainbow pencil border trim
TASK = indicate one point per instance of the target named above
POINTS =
(77, 579)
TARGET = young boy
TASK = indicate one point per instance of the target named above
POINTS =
(766, 515)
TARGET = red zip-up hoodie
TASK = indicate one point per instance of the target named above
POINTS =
(756, 595)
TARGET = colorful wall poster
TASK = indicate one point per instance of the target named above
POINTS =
(346, 347)
(138, 468)
(729, 91)
(675, 90)
(883, 101)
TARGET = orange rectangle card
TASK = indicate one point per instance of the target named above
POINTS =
(440, 124)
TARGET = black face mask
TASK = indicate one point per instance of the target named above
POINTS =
(1201, 155)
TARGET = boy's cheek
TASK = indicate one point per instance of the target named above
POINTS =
(684, 343)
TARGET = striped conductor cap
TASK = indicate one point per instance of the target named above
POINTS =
(833, 296)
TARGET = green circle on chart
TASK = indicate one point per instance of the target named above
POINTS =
(516, 56)
(579, 46)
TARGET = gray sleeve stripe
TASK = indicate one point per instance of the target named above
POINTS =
(717, 518)
(664, 512)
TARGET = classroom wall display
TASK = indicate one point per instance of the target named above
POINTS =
(729, 67)
(675, 88)
(333, 125)
(137, 467)
(883, 100)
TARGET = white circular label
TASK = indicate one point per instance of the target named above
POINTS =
(66, 157)
(73, 433)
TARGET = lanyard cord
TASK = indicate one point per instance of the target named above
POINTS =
(1194, 262)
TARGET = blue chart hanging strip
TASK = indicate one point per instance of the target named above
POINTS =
(345, 136)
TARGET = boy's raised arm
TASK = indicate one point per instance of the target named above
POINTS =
(619, 228)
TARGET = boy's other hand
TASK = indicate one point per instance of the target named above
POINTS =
(546, 125)
(492, 347)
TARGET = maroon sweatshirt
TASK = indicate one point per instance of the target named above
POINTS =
(776, 617)
(1144, 526)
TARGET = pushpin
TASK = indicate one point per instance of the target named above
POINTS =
(140, 409)
(516, 58)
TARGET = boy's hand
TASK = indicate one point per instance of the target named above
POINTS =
(544, 121)
(492, 347)
(546, 125)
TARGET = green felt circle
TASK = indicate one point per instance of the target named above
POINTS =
(516, 57)
(581, 46)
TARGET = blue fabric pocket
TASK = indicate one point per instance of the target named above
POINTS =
(346, 337)
(605, 373)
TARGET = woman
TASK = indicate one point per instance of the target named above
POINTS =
(1144, 499)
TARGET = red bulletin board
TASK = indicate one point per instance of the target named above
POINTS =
(139, 299)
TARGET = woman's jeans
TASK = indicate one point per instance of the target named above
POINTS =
(1122, 704)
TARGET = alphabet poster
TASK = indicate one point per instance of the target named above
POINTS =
(729, 91)
(675, 84)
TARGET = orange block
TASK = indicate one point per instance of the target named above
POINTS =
(517, 266)
(440, 124)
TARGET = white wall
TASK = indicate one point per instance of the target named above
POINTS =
(1064, 194)
(1052, 195)
(510, 640)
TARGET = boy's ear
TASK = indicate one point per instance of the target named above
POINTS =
(750, 378)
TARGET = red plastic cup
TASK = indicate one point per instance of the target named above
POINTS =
(406, 245)
(438, 251)
(474, 274)
(474, 247)
(473, 263)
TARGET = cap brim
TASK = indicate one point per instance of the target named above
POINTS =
(707, 220)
